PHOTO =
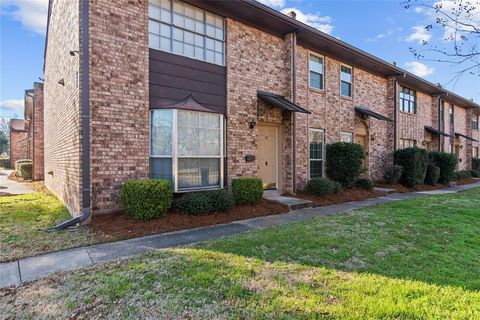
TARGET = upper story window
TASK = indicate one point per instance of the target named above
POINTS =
(315, 67)
(452, 116)
(408, 100)
(475, 121)
(179, 28)
(346, 81)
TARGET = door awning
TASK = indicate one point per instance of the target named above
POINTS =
(464, 136)
(436, 131)
(367, 112)
(280, 102)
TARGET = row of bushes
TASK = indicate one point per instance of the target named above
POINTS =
(419, 166)
(325, 186)
(151, 198)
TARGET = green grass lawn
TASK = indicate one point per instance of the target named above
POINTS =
(413, 259)
(23, 219)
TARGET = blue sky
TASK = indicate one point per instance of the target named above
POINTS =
(383, 28)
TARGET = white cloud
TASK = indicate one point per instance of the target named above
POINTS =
(420, 34)
(31, 13)
(418, 10)
(419, 69)
(379, 36)
(322, 23)
(11, 105)
(273, 3)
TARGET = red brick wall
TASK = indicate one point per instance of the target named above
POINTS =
(119, 106)
(37, 133)
(18, 148)
(62, 106)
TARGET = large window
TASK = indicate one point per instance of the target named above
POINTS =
(316, 72)
(187, 148)
(183, 29)
(475, 121)
(408, 100)
(475, 153)
(317, 144)
(346, 81)
(407, 143)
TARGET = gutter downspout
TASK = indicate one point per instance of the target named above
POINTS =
(294, 100)
(395, 107)
(85, 112)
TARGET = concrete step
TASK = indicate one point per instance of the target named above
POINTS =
(291, 202)
(386, 190)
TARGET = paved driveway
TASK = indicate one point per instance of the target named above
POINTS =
(9, 187)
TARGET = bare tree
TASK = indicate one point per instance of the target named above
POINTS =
(5, 126)
(459, 20)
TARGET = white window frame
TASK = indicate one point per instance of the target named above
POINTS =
(475, 120)
(323, 74)
(351, 80)
(415, 103)
(183, 29)
(175, 155)
(323, 151)
(475, 151)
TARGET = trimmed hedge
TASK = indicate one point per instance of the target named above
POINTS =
(345, 162)
(463, 174)
(199, 203)
(474, 174)
(414, 163)
(323, 186)
(247, 190)
(147, 198)
(5, 163)
(392, 174)
(433, 173)
(447, 163)
(365, 184)
(24, 168)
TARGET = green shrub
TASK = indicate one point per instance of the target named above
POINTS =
(366, 184)
(198, 203)
(5, 163)
(447, 163)
(433, 173)
(24, 169)
(463, 174)
(147, 198)
(323, 186)
(247, 190)
(474, 174)
(345, 162)
(393, 174)
(414, 163)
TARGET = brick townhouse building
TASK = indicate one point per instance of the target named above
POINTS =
(200, 92)
(26, 135)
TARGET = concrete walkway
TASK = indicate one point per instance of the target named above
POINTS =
(9, 187)
(27, 269)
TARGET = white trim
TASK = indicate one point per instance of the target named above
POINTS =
(311, 53)
(277, 167)
(174, 150)
(221, 152)
(323, 151)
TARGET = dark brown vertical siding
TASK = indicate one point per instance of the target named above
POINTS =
(173, 78)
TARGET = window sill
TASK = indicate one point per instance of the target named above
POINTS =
(407, 113)
(316, 90)
(346, 98)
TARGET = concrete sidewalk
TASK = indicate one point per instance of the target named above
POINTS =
(9, 187)
(27, 269)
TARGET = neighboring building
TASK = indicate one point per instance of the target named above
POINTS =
(201, 92)
(18, 140)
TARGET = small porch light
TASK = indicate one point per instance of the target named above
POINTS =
(251, 124)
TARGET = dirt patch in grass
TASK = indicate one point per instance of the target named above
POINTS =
(120, 226)
(354, 194)
(424, 187)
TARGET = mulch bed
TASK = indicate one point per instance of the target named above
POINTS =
(424, 187)
(354, 194)
(120, 226)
